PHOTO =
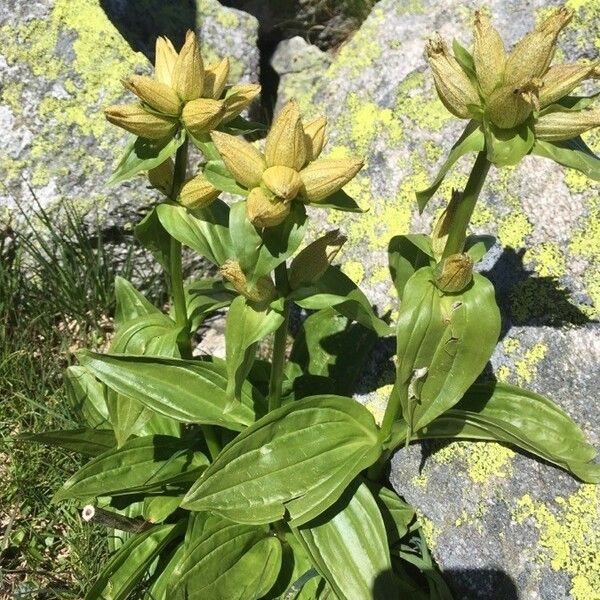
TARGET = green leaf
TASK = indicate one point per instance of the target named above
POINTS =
(158, 508)
(407, 254)
(90, 442)
(471, 140)
(161, 584)
(339, 201)
(224, 560)
(148, 463)
(129, 564)
(329, 353)
(151, 334)
(444, 341)
(130, 303)
(142, 155)
(349, 547)
(204, 230)
(570, 104)
(153, 236)
(506, 147)
(398, 516)
(87, 395)
(205, 296)
(216, 172)
(505, 413)
(574, 154)
(296, 461)
(337, 290)
(477, 246)
(465, 60)
(241, 126)
(188, 391)
(247, 324)
(206, 146)
(260, 252)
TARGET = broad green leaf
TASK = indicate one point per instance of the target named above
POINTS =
(465, 60)
(216, 172)
(349, 547)
(206, 146)
(151, 334)
(329, 353)
(153, 236)
(407, 254)
(260, 252)
(505, 413)
(477, 246)
(339, 201)
(471, 140)
(337, 290)
(205, 296)
(90, 442)
(87, 395)
(204, 230)
(158, 508)
(296, 461)
(506, 147)
(142, 154)
(224, 560)
(247, 324)
(130, 303)
(188, 391)
(572, 153)
(444, 341)
(570, 104)
(160, 589)
(130, 563)
(398, 516)
(143, 464)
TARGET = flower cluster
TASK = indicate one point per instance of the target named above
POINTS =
(288, 168)
(183, 93)
(506, 89)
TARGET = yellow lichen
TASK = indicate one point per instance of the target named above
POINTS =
(355, 270)
(569, 539)
(549, 259)
(513, 229)
(526, 367)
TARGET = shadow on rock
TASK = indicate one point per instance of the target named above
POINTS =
(526, 299)
(140, 23)
(480, 584)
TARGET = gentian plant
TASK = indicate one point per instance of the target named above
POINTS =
(248, 478)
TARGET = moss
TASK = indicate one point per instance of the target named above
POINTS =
(569, 531)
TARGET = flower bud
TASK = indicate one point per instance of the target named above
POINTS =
(238, 99)
(559, 126)
(158, 96)
(311, 263)
(188, 72)
(215, 78)
(454, 273)
(161, 177)
(531, 56)
(314, 136)
(285, 145)
(324, 177)
(264, 210)
(283, 182)
(138, 121)
(245, 163)
(165, 59)
(441, 229)
(202, 115)
(561, 80)
(263, 291)
(197, 192)
(453, 86)
(488, 53)
(509, 106)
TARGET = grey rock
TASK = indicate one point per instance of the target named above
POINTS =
(502, 525)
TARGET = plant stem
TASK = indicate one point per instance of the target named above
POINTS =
(212, 441)
(280, 342)
(464, 210)
(175, 262)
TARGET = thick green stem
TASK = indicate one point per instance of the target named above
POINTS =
(464, 211)
(212, 441)
(280, 342)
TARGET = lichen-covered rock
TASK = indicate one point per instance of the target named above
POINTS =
(61, 62)
(501, 525)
